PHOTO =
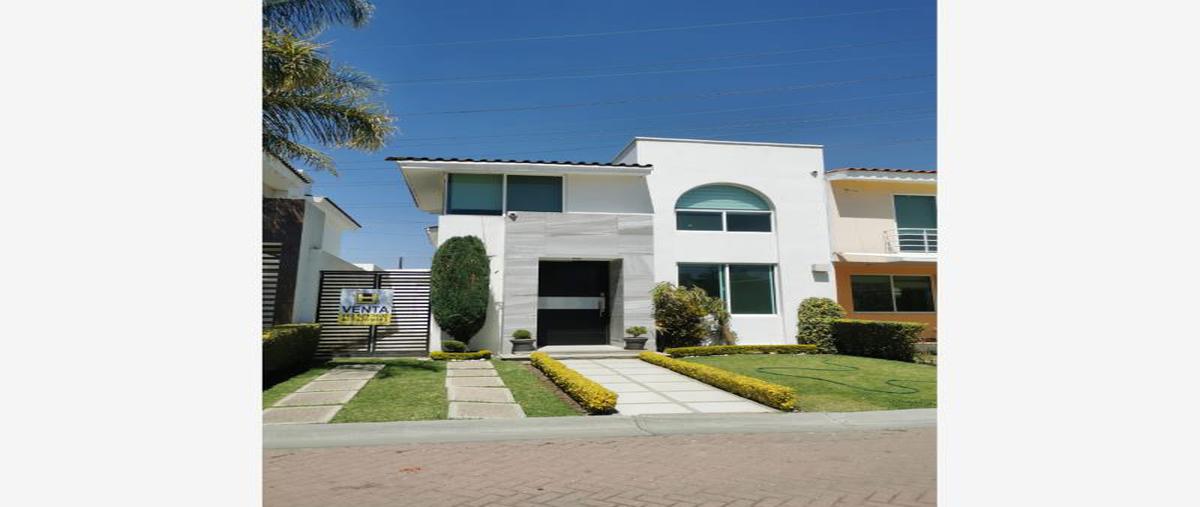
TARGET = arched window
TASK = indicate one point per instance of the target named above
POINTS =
(722, 208)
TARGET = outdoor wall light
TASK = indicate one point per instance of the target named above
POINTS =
(512, 216)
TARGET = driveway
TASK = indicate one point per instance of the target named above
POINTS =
(644, 388)
(822, 468)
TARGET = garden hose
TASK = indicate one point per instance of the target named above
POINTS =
(841, 367)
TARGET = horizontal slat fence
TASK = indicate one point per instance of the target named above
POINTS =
(407, 335)
(271, 253)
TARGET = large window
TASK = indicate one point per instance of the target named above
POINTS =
(748, 289)
(916, 223)
(475, 194)
(535, 193)
(891, 293)
(493, 194)
(722, 208)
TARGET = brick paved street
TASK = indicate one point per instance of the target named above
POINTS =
(892, 467)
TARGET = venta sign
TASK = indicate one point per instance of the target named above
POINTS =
(365, 307)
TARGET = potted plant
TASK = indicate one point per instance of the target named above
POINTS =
(522, 341)
(635, 341)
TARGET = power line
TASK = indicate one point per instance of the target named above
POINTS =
(528, 76)
(669, 71)
(642, 30)
(677, 96)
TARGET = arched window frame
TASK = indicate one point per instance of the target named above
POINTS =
(755, 226)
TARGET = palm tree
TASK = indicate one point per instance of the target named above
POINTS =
(305, 96)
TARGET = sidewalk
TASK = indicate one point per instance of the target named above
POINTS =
(551, 428)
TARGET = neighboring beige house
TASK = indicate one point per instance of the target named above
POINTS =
(883, 229)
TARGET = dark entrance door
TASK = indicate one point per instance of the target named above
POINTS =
(572, 303)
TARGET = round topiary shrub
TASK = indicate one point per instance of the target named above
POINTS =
(522, 334)
(453, 346)
(815, 323)
(458, 286)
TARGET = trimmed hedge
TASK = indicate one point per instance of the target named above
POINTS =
(877, 338)
(814, 322)
(593, 397)
(438, 355)
(772, 395)
(288, 349)
(720, 350)
(458, 286)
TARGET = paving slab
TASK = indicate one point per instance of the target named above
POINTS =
(654, 377)
(469, 365)
(299, 415)
(683, 385)
(626, 387)
(351, 372)
(473, 410)
(471, 373)
(309, 399)
(646, 397)
(727, 407)
(650, 408)
(474, 382)
(332, 385)
(690, 396)
(480, 394)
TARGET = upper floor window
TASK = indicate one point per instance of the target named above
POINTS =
(722, 208)
(493, 194)
(916, 223)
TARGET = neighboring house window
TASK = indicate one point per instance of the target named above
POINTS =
(475, 194)
(891, 293)
(748, 289)
(722, 208)
(916, 222)
(535, 193)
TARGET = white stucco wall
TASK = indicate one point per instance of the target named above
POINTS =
(606, 194)
(791, 178)
(320, 245)
(490, 229)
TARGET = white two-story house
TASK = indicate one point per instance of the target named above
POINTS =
(576, 247)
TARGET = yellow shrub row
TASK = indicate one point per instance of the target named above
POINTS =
(772, 395)
(438, 355)
(593, 397)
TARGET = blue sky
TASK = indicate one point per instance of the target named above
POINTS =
(554, 80)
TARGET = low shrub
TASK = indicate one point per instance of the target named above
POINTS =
(522, 334)
(689, 317)
(593, 397)
(876, 338)
(720, 350)
(772, 395)
(288, 349)
(636, 331)
(814, 323)
(453, 346)
(460, 356)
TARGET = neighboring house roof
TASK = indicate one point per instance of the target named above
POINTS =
(321, 200)
(883, 169)
(500, 161)
(297, 172)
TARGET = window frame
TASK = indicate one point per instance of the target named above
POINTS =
(892, 289)
(726, 291)
(724, 220)
(503, 194)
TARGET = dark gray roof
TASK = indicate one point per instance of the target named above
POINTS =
(499, 161)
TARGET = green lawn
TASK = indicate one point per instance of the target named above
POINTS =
(537, 397)
(278, 391)
(837, 383)
(405, 390)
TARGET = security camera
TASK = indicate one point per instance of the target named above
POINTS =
(512, 216)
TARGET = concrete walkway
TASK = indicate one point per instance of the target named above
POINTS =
(321, 399)
(476, 391)
(643, 388)
(552, 428)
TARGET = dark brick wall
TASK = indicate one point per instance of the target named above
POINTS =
(283, 222)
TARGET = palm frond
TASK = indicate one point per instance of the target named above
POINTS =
(307, 17)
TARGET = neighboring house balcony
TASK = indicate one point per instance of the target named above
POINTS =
(911, 240)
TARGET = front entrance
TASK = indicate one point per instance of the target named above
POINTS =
(573, 303)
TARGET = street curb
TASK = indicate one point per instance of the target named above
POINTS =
(552, 428)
